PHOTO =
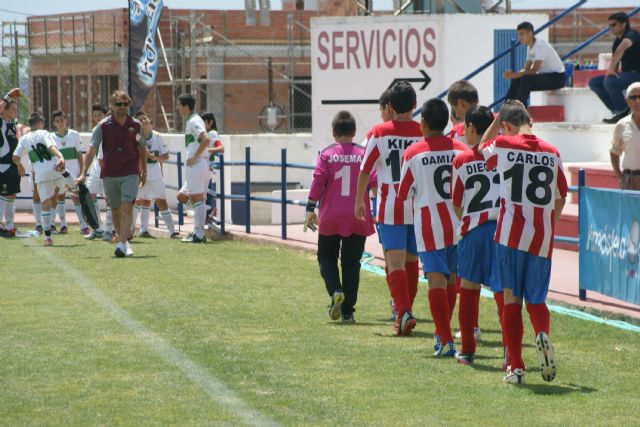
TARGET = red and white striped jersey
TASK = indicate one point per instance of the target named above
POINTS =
(457, 132)
(531, 179)
(384, 151)
(475, 189)
(426, 179)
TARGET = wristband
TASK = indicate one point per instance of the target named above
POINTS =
(7, 98)
(311, 206)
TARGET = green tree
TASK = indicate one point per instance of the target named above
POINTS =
(8, 82)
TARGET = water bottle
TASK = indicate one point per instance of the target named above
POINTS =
(568, 72)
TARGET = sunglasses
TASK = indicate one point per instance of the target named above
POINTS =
(613, 24)
(633, 97)
(121, 104)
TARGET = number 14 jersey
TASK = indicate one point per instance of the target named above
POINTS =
(531, 179)
(385, 149)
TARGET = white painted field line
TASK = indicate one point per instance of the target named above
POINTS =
(215, 388)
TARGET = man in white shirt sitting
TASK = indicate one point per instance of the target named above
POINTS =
(543, 68)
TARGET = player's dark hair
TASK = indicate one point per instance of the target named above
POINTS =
(188, 100)
(58, 113)
(463, 90)
(620, 17)
(99, 107)
(526, 25)
(435, 114)
(141, 113)
(343, 124)
(515, 113)
(383, 101)
(209, 117)
(402, 97)
(480, 117)
(35, 118)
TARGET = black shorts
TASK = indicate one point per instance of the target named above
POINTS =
(10, 182)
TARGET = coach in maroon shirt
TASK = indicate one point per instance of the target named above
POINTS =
(124, 167)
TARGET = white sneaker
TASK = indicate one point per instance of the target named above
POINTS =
(476, 333)
(336, 302)
(546, 357)
(127, 249)
(120, 251)
(514, 377)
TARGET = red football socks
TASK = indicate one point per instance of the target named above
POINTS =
(413, 274)
(513, 331)
(399, 291)
(439, 307)
(467, 313)
(540, 318)
(477, 309)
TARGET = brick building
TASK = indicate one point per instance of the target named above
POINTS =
(222, 56)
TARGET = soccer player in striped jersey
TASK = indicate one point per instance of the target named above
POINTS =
(68, 143)
(475, 192)
(533, 190)
(426, 178)
(47, 162)
(153, 189)
(461, 96)
(339, 234)
(385, 148)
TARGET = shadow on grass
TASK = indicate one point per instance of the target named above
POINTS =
(137, 257)
(556, 389)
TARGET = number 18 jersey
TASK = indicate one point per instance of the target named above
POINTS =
(426, 175)
(385, 150)
(531, 179)
(475, 189)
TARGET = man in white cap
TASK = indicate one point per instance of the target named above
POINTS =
(626, 140)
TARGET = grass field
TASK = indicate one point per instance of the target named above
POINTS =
(234, 333)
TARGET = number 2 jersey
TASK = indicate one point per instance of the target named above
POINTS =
(531, 180)
(426, 176)
(475, 189)
(385, 148)
(35, 144)
(334, 184)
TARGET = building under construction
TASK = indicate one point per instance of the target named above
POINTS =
(238, 63)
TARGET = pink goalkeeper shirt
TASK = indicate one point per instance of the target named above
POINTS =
(334, 184)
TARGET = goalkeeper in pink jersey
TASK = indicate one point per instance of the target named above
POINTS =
(340, 233)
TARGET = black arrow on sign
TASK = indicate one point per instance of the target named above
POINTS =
(425, 80)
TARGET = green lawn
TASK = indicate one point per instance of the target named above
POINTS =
(88, 339)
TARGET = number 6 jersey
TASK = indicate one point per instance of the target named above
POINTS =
(385, 149)
(475, 189)
(36, 145)
(426, 176)
(531, 180)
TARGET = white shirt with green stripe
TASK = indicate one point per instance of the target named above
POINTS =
(158, 147)
(69, 146)
(36, 145)
(192, 131)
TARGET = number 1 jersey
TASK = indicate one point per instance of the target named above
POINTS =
(531, 180)
(426, 176)
(385, 150)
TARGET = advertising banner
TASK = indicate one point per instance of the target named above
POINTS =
(143, 54)
(609, 243)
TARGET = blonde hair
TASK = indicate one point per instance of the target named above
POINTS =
(120, 94)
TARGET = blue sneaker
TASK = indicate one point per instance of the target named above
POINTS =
(436, 343)
(446, 350)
